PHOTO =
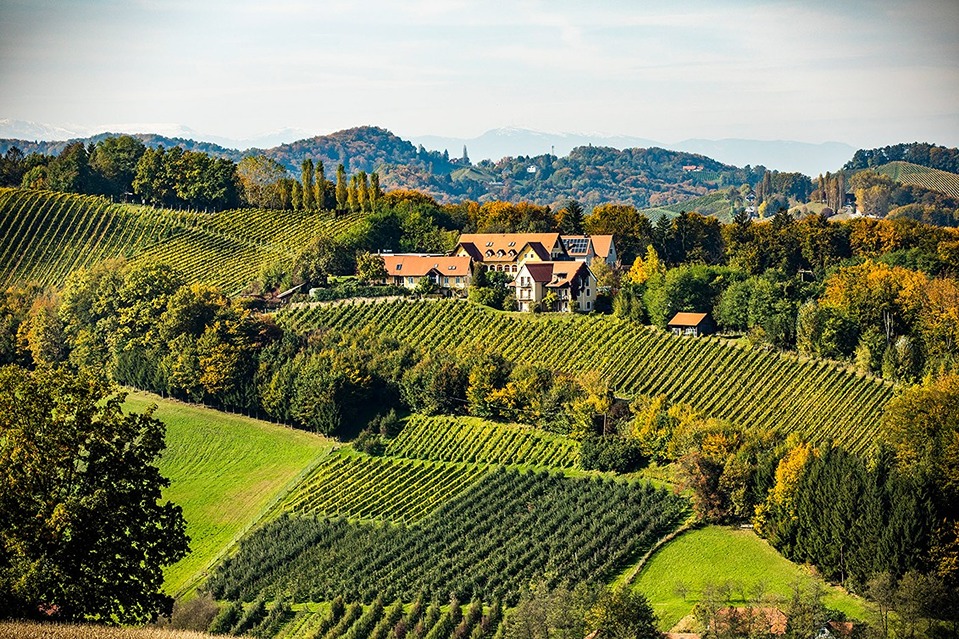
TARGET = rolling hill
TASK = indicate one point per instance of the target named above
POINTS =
(45, 236)
(924, 176)
(784, 393)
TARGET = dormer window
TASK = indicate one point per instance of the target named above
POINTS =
(489, 253)
(512, 253)
(500, 253)
(399, 267)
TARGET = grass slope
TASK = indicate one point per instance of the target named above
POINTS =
(33, 630)
(819, 400)
(717, 554)
(933, 179)
(716, 204)
(44, 236)
(225, 471)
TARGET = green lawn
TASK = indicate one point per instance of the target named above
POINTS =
(718, 554)
(225, 471)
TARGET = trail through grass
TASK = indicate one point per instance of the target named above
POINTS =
(225, 470)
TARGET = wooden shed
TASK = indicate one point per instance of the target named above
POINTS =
(694, 324)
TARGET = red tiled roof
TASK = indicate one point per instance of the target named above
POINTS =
(602, 245)
(420, 265)
(507, 247)
(687, 319)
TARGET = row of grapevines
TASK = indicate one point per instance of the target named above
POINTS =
(379, 620)
(44, 236)
(468, 439)
(820, 400)
(362, 487)
(924, 176)
(508, 529)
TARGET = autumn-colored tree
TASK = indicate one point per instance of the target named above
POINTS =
(370, 267)
(261, 181)
(375, 193)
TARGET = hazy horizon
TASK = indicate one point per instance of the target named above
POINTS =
(865, 74)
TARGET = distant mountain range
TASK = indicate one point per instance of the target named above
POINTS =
(782, 155)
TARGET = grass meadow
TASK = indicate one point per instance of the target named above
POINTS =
(717, 555)
(225, 471)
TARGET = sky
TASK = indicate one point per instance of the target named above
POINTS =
(868, 73)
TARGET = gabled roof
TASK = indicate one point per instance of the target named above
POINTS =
(506, 247)
(602, 245)
(687, 319)
(555, 274)
(541, 272)
(420, 265)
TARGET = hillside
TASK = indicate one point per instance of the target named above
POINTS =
(787, 394)
(45, 236)
(926, 177)
(591, 174)
(225, 471)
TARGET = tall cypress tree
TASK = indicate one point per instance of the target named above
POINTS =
(341, 190)
(307, 178)
(320, 185)
(297, 196)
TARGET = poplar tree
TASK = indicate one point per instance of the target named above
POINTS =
(363, 190)
(374, 190)
(341, 190)
(307, 179)
(351, 195)
(320, 185)
(297, 197)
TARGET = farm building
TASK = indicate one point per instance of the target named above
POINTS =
(587, 248)
(694, 324)
(507, 251)
(449, 274)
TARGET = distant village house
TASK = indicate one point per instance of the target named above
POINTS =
(571, 282)
(450, 274)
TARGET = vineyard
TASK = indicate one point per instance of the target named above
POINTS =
(361, 487)
(505, 530)
(45, 236)
(814, 398)
(419, 620)
(924, 176)
(468, 439)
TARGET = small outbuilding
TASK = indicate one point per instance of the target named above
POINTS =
(694, 324)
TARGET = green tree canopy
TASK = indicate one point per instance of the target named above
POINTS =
(83, 535)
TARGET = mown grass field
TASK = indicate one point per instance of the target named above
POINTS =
(225, 471)
(719, 554)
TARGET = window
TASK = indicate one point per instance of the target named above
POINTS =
(399, 267)
(446, 281)
(459, 280)
(409, 280)
(587, 292)
(489, 253)
(489, 244)
(587, 305)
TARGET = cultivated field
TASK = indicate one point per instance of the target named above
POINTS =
(785, 393)
(470, 439)
(45, 236)
(924, 176)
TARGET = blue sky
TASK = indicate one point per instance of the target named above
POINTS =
(866, 73)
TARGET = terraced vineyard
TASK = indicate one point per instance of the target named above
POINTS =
(507, 529)
(45, 236)
(924, 176)
(468, 439)
(817, 399)
(361, 487)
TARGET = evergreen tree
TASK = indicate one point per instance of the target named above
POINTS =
(309, 201)
(341, 189)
